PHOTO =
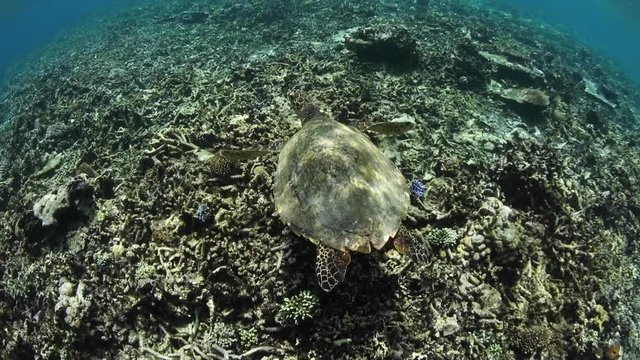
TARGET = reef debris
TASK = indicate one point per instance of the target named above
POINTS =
(391, 45)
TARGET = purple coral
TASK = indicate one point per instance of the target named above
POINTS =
(417, 189)
(202, 213)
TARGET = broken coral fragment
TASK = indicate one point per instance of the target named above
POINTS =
(52, 163)
(386, 44)
(502, 61)
(243, 155)
(527, 96)
(49, 206)
(74, 198)
(597, 92)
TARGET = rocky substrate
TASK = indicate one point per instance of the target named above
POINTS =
(132, 226)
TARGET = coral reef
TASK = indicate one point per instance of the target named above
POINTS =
(444, 238)
(532, 340)
(73, 304)
(387, 44)
(417, 189)
(73, 199)
(299, 308)
(136, 187)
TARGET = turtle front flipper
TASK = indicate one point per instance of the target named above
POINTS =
(331, 266)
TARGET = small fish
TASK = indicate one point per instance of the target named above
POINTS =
(391, 128)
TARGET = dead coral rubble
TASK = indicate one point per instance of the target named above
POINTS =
(390, 45)
(73, 199)
(136, 211)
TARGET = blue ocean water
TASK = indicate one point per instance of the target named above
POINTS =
(609, 26)
(28, 25)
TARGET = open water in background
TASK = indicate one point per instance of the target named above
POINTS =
(26, 26)
(610, 26)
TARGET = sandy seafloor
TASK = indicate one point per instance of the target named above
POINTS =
(126, 234)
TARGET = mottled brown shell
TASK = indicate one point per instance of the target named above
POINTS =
(335, 187)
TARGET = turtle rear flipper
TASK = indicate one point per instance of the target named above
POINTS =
(409, 244)
(331, 266)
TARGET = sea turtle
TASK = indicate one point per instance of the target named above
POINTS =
(334, 187)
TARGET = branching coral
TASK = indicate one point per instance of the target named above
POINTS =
(299, 308)
(446, 238)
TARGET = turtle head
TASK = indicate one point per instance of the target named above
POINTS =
(309, 111)
(305, 106)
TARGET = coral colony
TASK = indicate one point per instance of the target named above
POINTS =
(417, 189)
